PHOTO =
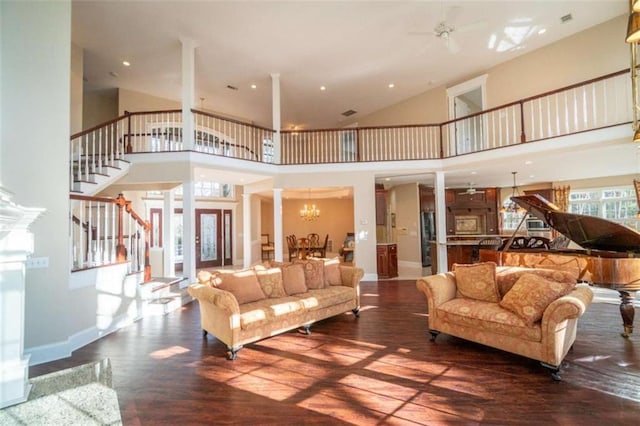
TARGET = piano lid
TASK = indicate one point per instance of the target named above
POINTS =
(590, 232)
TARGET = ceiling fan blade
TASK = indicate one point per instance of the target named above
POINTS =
(471, 27)
(452, 45)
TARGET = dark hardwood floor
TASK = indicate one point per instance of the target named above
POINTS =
(378, 369)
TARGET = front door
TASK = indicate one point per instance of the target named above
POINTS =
(213, 238)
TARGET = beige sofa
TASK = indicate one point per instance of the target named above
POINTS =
(295, 296)
(505, 321)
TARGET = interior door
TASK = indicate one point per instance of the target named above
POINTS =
(214, 238)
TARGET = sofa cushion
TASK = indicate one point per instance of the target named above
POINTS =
(293, 279)
(257, 314)
(270, 280)
(326, 297)
(487, 317)
(531, 294)
(243, 285)
(477, 281)
(507, 276)
(332, 272)
(313, 272)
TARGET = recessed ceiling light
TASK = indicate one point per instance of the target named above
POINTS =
(387, 179)
(528, 162)
(253, 86)
(542, 31)
(391, 85)
(323, 88)
(474, 173)
(126, 63)
(532, 176)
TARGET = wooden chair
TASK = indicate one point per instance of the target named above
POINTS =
(267, 247)
(321, 250)
(492, 243)
(314, 240)
(292, 245)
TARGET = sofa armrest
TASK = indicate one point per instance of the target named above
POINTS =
(351, 276)
(216, 297)
(570, 306)
(438, 288)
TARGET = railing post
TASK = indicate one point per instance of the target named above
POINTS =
(129, 147)
(121, 249)
(523, 134)
(441, 142)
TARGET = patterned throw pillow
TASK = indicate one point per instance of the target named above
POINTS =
(332, 272)
(271, 282)
(243, 285)
(313, 272)
(531, 294)
(508, 276)
(477, 281)
(293, 279)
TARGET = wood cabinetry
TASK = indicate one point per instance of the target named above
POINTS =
(483, 205)
(387, 259)
(381, 205)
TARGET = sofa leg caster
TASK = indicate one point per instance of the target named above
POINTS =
(306, 329)
(233, 353)
(555, 371)
(204, 334)
(434, 334)
(356, 312)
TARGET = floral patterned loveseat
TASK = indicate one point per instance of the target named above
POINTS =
(529, 312)
(240, 307)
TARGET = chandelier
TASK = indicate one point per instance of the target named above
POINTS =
(309, 213)
(512, 207)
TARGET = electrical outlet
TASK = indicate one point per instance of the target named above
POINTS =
(37, 263)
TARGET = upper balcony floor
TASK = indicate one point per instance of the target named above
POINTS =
(578, 131)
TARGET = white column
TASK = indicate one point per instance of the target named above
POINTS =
(188, 91)
(169, 235)
(275, 107)
(441, 222)
(278, 238)
(246, 226)
(16, 243)
(188, 231)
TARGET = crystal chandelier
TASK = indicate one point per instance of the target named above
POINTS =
(512, 207)
(309, 213)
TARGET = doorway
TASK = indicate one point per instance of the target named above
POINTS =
(213, 238)
(467, 99)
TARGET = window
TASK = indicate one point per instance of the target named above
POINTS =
(268, 151)
(614, 204)
(203, 189)
(348, 142)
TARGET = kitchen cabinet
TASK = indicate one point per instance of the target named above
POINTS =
(387, 259)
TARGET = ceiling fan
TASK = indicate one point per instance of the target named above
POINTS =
(445, 30)
(471, 190)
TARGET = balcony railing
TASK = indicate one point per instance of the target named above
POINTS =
(594, 104)
(105, 231)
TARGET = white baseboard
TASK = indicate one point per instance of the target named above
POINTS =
(54, 351)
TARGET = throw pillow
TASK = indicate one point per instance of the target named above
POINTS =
(332, 272)
(243, 285)
(531, 294)
(507, 277)
(293, 279)
(271, 282)
(313, 273)
(204, 277)
(477, 281)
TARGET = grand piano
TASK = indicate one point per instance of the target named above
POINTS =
(609, 255)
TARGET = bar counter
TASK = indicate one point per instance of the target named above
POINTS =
(460, 249)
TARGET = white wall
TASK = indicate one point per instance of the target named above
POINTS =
(77, 72)
(36, 61)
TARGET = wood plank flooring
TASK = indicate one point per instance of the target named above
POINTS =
(378, 369)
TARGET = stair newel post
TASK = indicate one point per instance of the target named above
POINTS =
(147, 261)
(523, 134)
(121, 249)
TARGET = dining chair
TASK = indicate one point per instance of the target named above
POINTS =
(314, 240)
(292, 245)
(321, 250)
(267, 247)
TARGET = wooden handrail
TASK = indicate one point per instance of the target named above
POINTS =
(123, 205)
(232, 120)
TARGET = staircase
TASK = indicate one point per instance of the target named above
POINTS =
(89, 178)
(163, 295)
